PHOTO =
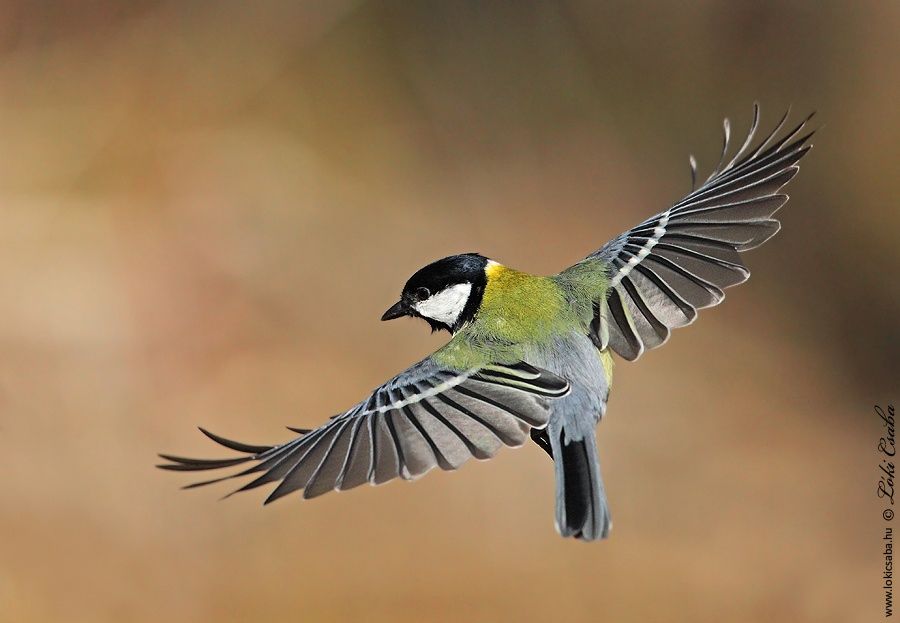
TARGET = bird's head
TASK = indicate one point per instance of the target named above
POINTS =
(446, 293)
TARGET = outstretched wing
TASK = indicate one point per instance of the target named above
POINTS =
(665, 269)
(426, 416)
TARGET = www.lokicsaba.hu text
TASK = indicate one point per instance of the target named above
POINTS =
(888, 572)
(886, 450)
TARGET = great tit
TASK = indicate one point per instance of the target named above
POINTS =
(532, 355)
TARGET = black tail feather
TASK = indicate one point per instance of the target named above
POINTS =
(578, 490)
(581, 507)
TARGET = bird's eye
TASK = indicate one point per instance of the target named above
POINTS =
(422, 293)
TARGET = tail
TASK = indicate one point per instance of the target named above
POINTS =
(581, 507)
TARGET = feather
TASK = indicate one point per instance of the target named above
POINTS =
(676, 262)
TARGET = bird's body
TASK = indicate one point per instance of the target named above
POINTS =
(522, 314)
(546, 322)
(532, 355)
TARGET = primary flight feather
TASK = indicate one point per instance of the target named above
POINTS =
(530, 356)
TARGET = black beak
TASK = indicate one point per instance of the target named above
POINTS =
(397, 310)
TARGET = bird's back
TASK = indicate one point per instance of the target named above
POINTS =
(524, 315)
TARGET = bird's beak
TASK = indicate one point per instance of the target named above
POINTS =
(397, 310)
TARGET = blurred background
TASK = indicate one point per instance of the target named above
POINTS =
(205, 207)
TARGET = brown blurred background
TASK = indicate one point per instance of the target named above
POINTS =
(205, 207)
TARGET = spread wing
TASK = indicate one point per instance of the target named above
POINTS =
(665, 269)
(425, 417)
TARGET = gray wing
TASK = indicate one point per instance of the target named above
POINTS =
(665, 269)
(428, 416)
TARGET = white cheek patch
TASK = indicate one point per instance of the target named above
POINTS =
(446, 305)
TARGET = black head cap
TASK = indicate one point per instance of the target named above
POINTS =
(467, 268)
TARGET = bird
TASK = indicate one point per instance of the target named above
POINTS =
(531, 356)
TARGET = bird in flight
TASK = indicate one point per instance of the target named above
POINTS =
(531, 356)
